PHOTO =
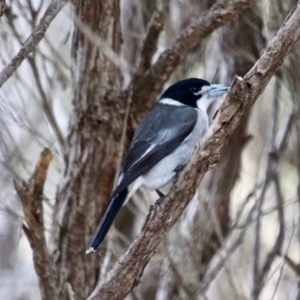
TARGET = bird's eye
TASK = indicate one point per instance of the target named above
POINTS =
(195, 90)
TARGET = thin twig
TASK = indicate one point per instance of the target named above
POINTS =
(286, 128)
(256, 280)
(276, 250)
(295, 267)
(47, 106)
(221, 259)
(123, 138)
(33, 40)
(277, 148)
(243, 206)
(256, 249)
(278, 281)
(180, 278)
(149, 44)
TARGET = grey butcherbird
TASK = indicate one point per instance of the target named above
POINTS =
(162, 144)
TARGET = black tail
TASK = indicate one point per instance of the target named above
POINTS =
(107, 220)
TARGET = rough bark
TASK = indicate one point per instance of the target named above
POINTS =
(92, 147)
(240, 98)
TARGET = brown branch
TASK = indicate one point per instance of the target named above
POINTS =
(92, 144)
(33, 40)
(295, 267)
(30, 195)
(151, 83)
(149, 45)
(243, 93)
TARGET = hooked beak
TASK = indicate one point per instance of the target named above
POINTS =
(217, 90)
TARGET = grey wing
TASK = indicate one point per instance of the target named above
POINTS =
(151, 144)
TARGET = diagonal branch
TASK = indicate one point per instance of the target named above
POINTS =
(30, 195)
(152, 82)
(33, 40)
(295, 267)
(243, 93)
(149, 45)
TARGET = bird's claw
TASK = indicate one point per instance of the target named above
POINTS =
(159, 202)
(161, 198)
(175, 178)
(177, 170)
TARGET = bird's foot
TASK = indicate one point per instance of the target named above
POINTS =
(159, 202)
(161, 198)
(177, 170)
(175, 178)
(216, 113)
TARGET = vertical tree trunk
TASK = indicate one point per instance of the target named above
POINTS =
(93, 146)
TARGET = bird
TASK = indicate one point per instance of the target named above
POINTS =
(162, 145)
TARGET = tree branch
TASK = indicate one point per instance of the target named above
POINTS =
(93, 144)
(149, 45)
(295, 267)
(152, 82)
(243, 93)
(30, 195)
(33, 40)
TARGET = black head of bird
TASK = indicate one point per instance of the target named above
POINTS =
(194, 92)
